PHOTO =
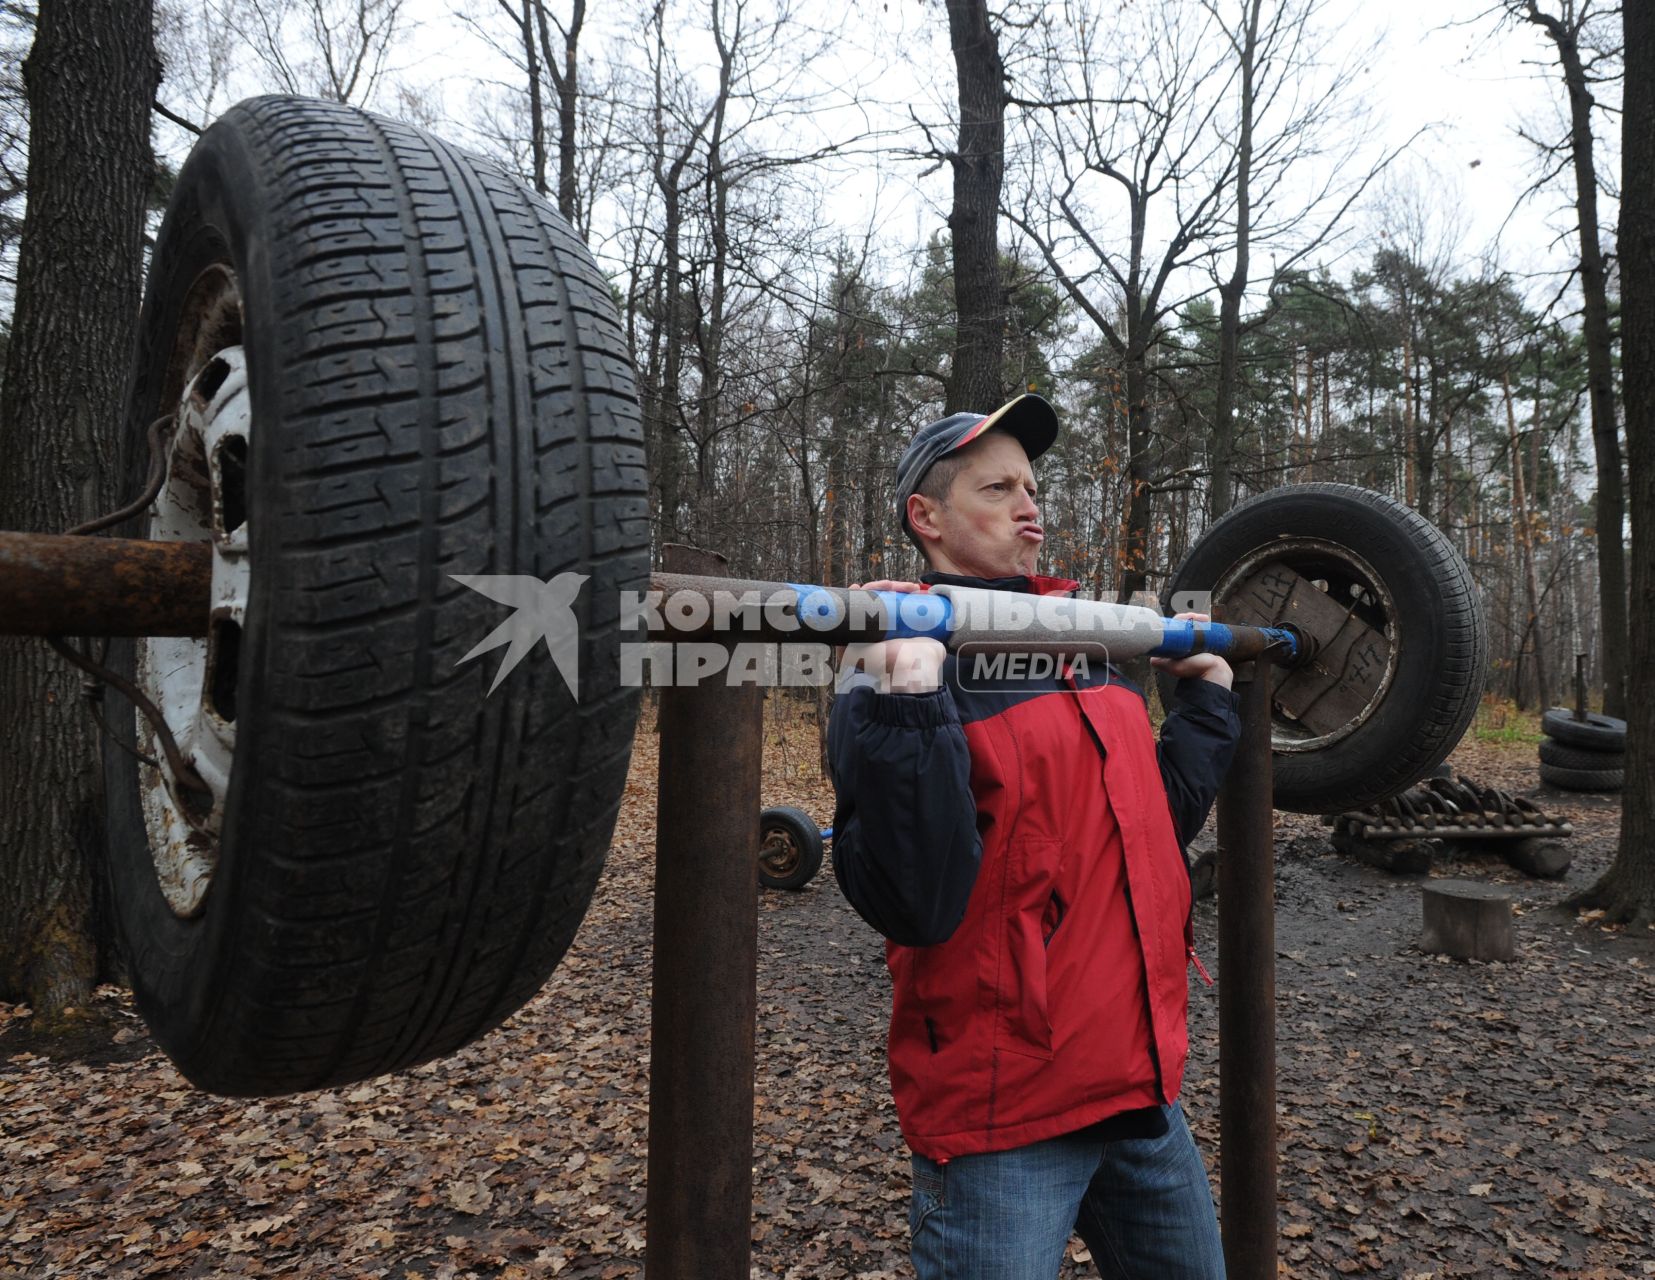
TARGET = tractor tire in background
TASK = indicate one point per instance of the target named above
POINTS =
(1396, 572)
(393, 364)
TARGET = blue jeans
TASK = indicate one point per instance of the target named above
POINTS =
(1142, 1205)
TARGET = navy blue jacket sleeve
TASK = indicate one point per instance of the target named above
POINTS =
(905, 842)
(1198, 741)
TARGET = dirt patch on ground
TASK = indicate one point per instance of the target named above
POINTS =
(106, 1032)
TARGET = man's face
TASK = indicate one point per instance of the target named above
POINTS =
(990, 527)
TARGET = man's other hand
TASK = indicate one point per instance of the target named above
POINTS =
(913, 665)
(1200, 666)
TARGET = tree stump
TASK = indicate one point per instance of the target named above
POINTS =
(1467, 920)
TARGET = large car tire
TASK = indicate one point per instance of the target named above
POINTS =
(1415, 588)
(1594, 733)
(435, 384)
(1566, 757)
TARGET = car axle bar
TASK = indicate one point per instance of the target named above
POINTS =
(58, 584)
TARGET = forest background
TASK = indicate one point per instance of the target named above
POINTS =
(767, 185)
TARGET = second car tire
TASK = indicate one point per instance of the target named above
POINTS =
(1433, 620)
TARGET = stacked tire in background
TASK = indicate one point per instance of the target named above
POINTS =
(1582, 755)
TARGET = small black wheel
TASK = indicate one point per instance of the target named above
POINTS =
(1595, 733)
(790, 848)
(1410, 668)
(1582, 779)
(1564, 756)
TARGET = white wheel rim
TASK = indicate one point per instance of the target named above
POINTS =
(192, 680)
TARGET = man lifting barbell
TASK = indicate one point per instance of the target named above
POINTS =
(1018, 843)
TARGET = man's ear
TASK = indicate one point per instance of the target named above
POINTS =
(922, 518)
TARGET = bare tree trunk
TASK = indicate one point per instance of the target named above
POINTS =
(1525, 539)
(974, 381)
(1231, 291)
(668, 430)
(1409, 495)
(1513, 651)
(1627, 889)
(873, 557)
(837, 533)
(566, 81)
(537, 109)
(91, 77)
(1425, 449)
(1611, 507)
(710, 320)
(1327, 411)
(1134, 556)
(568, 96)
(1309, 409)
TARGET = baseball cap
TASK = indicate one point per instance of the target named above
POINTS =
(1029, 418)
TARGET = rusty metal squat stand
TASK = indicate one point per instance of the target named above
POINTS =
(1247, 991)
(705, 990)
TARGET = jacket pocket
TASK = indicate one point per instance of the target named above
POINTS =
(1024, 1024)
(1053, 917)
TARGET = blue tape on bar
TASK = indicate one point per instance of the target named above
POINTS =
(1284, 639)
(1177, 639)
(818, 608)
(916, 613)
(1181, 637)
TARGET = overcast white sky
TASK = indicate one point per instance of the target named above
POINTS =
(1439, 66)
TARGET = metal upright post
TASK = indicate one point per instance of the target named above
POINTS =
(1247, 991)
(700, 1194)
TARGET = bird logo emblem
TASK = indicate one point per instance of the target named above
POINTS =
(540, 611)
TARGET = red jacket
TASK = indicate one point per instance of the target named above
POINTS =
(1016, 842)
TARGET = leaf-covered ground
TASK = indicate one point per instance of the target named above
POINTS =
(1437, 1118)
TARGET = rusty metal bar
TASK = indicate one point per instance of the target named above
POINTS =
(700, 1194)
(1247, 992)
(52, 584)
(58, 584)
